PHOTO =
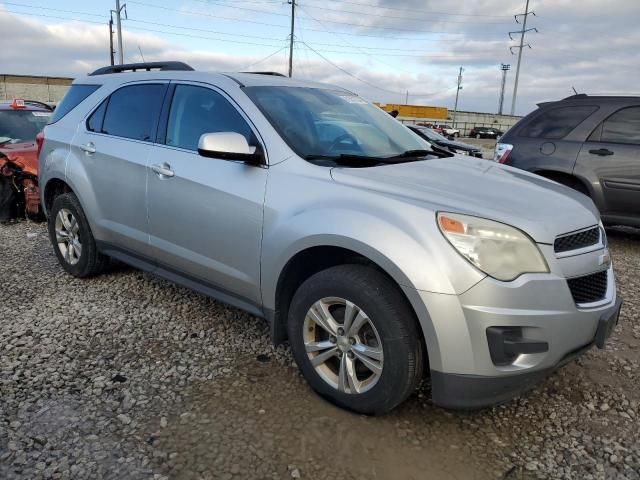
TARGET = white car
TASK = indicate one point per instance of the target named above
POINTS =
(449, 130)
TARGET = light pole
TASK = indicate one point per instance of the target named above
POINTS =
(505, 68)
(455, 108)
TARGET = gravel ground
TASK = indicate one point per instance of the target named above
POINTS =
(126, 376)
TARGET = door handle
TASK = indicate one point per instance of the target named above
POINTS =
(163, 170)
(603, 152)
(88, 147)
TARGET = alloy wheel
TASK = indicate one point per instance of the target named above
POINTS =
(343, 345)
(68, 237)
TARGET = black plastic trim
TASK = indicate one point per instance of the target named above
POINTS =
(147, 66)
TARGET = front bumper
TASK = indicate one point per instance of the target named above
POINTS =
(459, 391)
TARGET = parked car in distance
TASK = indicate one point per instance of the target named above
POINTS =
(484, 132)
(449, 130)
(20, 123)
(435, 138)
(432, 126)
(589, 143)
(299, 202)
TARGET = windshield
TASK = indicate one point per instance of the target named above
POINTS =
(433, 135)
(325, 123)
(18, 126)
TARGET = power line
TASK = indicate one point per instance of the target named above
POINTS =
(368, 5)
(346, 72)
(265, 58)
(24, 5)
(255, 22)
(359, 25)
(404, 17)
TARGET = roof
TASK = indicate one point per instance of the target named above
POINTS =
(164, 71)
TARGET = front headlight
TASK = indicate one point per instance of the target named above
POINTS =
(501, 251)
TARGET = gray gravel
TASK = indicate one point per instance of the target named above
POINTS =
(127, 376)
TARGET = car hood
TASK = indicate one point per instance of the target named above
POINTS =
(540, 207)
(24, 155)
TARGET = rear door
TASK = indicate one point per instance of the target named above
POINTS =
(611, 155)
(205, 216)
(114, 145)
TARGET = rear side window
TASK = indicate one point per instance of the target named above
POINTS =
(94, 123)
(74, 96)
(622, 127)
(557, 122)
(132, 112)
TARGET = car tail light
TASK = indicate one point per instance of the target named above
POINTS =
(39, 141)
(502, 152)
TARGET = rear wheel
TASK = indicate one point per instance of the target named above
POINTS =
(355, 339)
(72, 240)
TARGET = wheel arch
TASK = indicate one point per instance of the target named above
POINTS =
(52, 189)
(313, 259)
(567, 179)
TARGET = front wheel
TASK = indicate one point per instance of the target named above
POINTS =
(355, 339)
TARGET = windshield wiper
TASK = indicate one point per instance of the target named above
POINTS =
(412, 154)
(347, 159)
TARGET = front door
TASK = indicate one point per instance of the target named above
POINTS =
(205, 214)
(612, 153)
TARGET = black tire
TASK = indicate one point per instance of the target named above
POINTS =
(91, 262)
(456, 134)
(392, 317)
(478, 135)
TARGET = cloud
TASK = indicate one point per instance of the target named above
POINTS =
(586, 45)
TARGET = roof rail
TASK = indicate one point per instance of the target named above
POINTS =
(147, 66)
(577, 95)
(275, 74)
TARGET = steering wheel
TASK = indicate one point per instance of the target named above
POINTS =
(342, 138)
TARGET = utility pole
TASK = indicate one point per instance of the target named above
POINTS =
(522, 33)
(119, 28)
(406, 99)
(505, 68)
(111, 52)
(293, 24)
(455, 108)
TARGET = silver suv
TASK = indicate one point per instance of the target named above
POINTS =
(379, 261)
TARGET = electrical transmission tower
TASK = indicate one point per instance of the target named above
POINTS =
(522, 33)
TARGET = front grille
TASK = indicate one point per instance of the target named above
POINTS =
(590, 288)
(576, 241)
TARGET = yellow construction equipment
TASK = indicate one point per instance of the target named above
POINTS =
(416, 111)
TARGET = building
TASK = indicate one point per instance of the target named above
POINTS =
(32, 87)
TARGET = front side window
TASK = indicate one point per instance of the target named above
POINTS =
(621, 127)
(132, 112)
(556, 123)
(197, 110)
(325, 123)
(18, 126)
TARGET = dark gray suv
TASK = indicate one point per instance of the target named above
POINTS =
(589, 143)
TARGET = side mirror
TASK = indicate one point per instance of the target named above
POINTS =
(229, 146)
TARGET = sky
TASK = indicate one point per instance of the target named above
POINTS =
(383, 50)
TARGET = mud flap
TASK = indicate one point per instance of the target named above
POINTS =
(8, 207)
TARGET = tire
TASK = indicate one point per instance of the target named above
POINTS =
(456, 134)
(82, 262)
(389, 321)
(478, 135)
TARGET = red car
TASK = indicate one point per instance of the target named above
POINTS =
(20, 123)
